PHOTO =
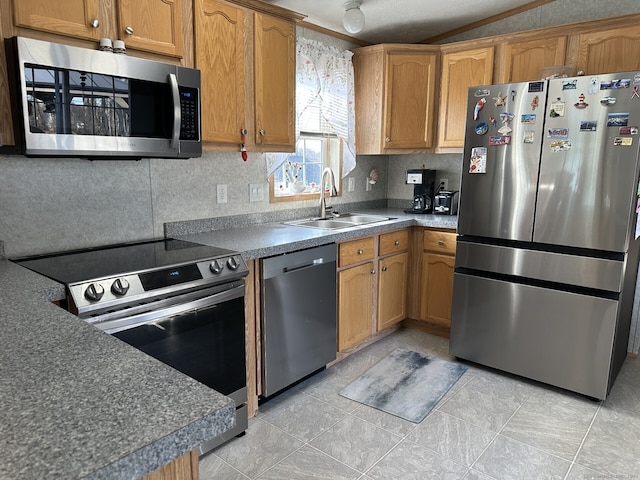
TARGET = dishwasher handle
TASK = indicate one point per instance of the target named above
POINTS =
(315, 262)
(301, 259)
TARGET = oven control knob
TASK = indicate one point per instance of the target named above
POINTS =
(119, 287)
(94, 292)
(215, 267)
(232, 263)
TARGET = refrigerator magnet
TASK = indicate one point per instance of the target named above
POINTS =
(556, 109)
(558, 133)
(634, 92)
(478, 162)
(623, 141)
(528, 118)
(628, 131)
(606, 101)
(483, 92)
(481, 128)
(534, 102)
(529, 136)
(581, 104)
(499, 140)
(588, 125)
(560, 146)
(479, 106)
(499, 99)
(617, 119)
(615, 84)
(569, 84)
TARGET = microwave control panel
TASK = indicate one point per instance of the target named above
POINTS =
(189, 127)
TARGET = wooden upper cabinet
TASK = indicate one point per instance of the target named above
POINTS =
(523, 61)
(460, 70)
(395, 98)
(609, 51)
(220, 53)
(274, 63)
(155, 25)
(78, 18)
(409, 103)
(151, 25)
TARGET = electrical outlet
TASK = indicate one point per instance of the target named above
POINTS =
(256, 193)
(221, 189)
(368, 185)
(444, 182)
(352, 184)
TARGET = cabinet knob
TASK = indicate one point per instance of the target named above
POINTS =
(128, 30)
(384, 269)
(388, 139)
(373, 272)
(441, 243)
(396, 243)
(263, 132)
(95, 23)
(360, 251)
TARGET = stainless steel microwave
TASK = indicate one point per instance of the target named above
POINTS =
(78, 102)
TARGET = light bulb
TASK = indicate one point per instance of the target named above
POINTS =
(353, 20)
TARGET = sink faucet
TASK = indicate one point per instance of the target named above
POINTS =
(332, 191)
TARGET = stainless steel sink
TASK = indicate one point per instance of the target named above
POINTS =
(342, 221)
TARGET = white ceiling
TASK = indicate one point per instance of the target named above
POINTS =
(400, 21)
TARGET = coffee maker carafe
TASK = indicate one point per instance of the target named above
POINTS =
(423, 182)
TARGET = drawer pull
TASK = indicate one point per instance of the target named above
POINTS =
(360, 251)
(396, 243)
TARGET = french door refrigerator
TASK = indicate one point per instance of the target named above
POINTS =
(547, 254)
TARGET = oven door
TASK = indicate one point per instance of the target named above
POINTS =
(203, 337)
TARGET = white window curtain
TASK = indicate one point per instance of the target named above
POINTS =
(324, 77)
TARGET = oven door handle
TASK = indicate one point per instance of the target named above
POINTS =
(128, 322)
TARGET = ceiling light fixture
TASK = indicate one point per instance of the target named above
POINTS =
(353, 20)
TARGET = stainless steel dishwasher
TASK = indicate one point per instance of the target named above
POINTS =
(299, 315)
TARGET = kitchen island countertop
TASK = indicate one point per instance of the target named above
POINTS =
(79, 403)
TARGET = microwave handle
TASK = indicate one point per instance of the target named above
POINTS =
(175, 94)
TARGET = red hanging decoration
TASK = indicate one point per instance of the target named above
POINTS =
(243, 149)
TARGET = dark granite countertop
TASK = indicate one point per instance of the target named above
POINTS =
(267, 239)
(79, 403)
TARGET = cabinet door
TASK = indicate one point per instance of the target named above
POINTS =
(64, 17)
(392, 290)
(460, 71)
(523, 61)
(609, 51)
(409, 100)
(437, 288)
(151, 25)
(355, 304)
(219, 30)
(274, 63)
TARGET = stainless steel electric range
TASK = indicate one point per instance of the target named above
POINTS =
(178, 301)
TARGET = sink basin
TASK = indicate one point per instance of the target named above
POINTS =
(345, 220)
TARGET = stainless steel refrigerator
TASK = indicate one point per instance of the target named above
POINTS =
(547, 254)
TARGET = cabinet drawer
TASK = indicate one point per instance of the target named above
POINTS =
(443, 242)
(394, 242)
(355, 251)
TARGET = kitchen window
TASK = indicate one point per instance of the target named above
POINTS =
(325, 124)
(299, 175)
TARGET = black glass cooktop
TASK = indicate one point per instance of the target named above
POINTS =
(82, 265)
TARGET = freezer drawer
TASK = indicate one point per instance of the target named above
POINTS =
(559, 338)
(579, 270)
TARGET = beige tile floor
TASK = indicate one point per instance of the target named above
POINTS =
(490, 425)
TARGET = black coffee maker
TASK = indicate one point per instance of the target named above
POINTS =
(423, 182)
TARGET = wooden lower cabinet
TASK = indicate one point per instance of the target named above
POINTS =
(355, 304)
(392, 290)
(185, 467)
(372, 286)
(436, 276)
